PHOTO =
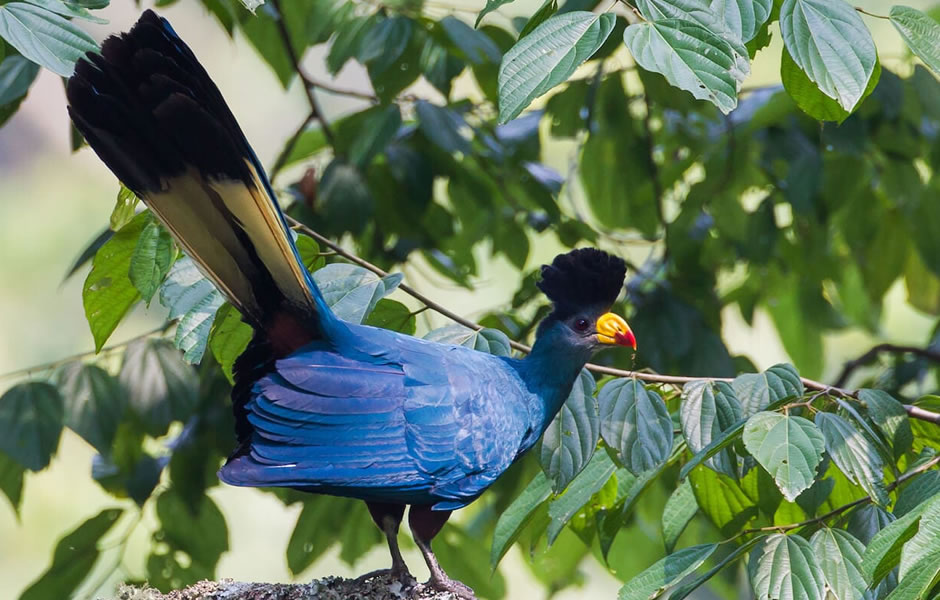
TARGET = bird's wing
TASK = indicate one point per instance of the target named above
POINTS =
(420, 423)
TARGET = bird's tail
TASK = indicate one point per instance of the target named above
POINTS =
(153, 115)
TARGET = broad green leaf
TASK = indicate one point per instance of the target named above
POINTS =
(789, 448)
(920, 32)
(343, 197)
(722, 500)
(194, 301)
(927, 539)
(569, 441)
(635, 425)
(890, 417)
(727, 437)
(44, 37)
(442, 126)
(392, 314)
(679, 510)
(666, 573)
(108, 292)
(16, 75)
(829, 42)
(199, 531)
(914, 493)
(67, 8)
(684, 591)
(383, 46)
(517, 515)
(311, 141)
(493, 341)
(31, 419)
(162, 388)
(94, 403)
(923, 575)
(475, 46)
(228, 338)
(854, 454)
(742, 17)
(124, 208)
(547, 57)
(810, 98)
(579, 493)
(379, 127)
(785, 566)
(315, 531)
(883, 552)
(151, 260)
(840, 558)
(358, 534)
(867, 520)
(352, 291)
(309, 251)
(690, 57)
(756, 391)
(74, 558)
(11, 480)
(709, 409)
(548, 8)
(491, 5)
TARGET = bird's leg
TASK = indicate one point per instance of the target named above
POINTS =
(425, 524)
(388, 517)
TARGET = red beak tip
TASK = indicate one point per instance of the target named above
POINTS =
(626, 339)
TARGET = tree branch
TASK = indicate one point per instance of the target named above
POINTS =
(871, 355)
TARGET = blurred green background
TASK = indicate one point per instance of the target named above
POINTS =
(52, 202)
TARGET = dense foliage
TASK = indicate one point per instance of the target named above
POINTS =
(807, 202)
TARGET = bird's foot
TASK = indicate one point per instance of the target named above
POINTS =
(401, 575)
(446, 584)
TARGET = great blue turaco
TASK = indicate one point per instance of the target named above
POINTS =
(322, 405)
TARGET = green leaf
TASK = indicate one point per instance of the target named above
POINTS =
(311, 141)
(920, 33)
(840, 558)
(810, 98)
(548, 8)
(16, 75)
(124, 208)
(913, 494)
(789, 448)
(709, 409)
(108, 292)
(379, 127)
(344, 198)
(829, 42)
(358, 534)
(517, 515)
(883, 552)
(491, 5)
(162, 387)
(547, 57)
(151, 260)
(463, 556)
(194, 301)
(228, 338)
(756, 391)
(315, 531)
(74, 557)
(392, 314)
(691, 58)
(489, 340)
(263, 33)
(635, 424)
(309, 251)
(854, 454)
(785, 566)
(890, 417)
(722, 500)
(571, 437)
(665, 573)
(67, 9)
(742, 17)
(199, 531)
(867, 520)
(727, 437)
(94, 403)
(11, 480)
(442, 126)
(31, 419)
(920, 579)
(352, 291)
(384, 44)
(926, 542)
(475, 46)
(679, 510)
(562, 508)
(44, 37)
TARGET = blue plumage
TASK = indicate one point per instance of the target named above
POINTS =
(322, 405)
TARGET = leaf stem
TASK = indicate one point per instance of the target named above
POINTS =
(865, 12)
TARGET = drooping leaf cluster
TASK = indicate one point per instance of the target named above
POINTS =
(724, 202)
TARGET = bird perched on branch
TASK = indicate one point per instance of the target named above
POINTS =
(322, 405)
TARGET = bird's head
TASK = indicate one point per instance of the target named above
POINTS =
(582, 285)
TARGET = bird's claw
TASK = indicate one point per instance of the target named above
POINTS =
(446, 584)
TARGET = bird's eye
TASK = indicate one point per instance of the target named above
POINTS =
(582, 325)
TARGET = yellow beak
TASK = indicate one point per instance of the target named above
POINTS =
(612, 329)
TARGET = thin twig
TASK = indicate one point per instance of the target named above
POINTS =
(871, 355)
(289, 146)
(865, 12)
(309, 84)
(340, 91)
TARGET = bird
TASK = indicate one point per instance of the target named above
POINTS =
(322, 405)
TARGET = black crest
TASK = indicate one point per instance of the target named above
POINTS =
(582, 278)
